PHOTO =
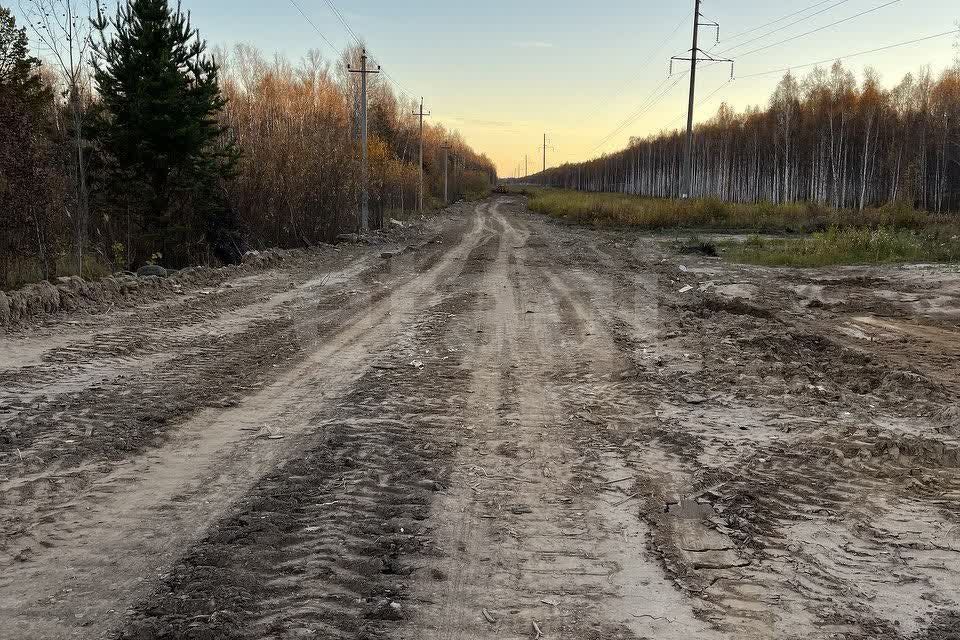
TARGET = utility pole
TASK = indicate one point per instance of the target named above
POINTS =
(526, 166)
(687, 188)
(544, 155)
(446, 163)
(364, 178)
(544, 148)
(421, 114)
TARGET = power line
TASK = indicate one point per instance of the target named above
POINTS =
(818, 29)
(315, 27)
(767, 24)
(339, 16)
(644, 108)
(724, 86)
(407, 93)
(653, 56)
(702, 101)
(630, 118)
(398, 86)
(786, 26)
(818, 62)
(851, 55)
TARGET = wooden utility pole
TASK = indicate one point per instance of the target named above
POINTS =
(446, 163)
(687, 187)
(421, 114)
(364, 177)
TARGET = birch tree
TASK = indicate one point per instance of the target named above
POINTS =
(64, 30)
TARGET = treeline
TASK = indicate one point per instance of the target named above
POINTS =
(134, 144)
(299, 127)
(825, 138)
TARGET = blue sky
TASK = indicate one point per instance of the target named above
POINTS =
(504, 72)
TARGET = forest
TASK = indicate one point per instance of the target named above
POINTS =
(825, 138)
(132, 143)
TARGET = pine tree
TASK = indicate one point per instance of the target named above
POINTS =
(18, 69)
(161, 100)
(28, 184)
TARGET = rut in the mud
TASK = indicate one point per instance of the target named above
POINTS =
(524, 429)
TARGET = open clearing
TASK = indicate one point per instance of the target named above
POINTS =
(516, 429)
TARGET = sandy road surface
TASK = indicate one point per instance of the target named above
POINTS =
(517, 430)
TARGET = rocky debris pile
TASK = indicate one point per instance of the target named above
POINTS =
(267, 257)
(72, 293)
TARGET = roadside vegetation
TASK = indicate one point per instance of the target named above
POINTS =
(134, 143)
(866, 172)
(820, 236)
(828, 138)
(609, 209)
(849, 246)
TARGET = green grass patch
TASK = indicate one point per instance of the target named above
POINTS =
(838, 246)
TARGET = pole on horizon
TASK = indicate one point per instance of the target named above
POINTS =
(545, 146)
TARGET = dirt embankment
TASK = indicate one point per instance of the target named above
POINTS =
(74, 294)
(70, 294)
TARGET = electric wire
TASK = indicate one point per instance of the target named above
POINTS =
(312, 24)
(410, 95)
(650, 59)
(813, 64)
(627, 120)
(702, 102)
(818, 29)
(778, 29)
(851, 55)
(786, 17)
(339, 16)
(353, 35)
(645, 107)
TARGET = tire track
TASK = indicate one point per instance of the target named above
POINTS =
(139, 516)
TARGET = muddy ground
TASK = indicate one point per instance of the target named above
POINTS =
(514, 429)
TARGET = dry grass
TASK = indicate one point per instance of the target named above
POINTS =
(609, 209)
(888, 234)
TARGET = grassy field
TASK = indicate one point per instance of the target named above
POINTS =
(818, 235)
(850, 246)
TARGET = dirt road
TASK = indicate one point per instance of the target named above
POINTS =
(515, 429)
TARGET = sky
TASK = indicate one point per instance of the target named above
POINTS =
(503, 72)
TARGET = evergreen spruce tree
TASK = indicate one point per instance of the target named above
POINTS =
(28, 178)
(160, 99)
(18, 69)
